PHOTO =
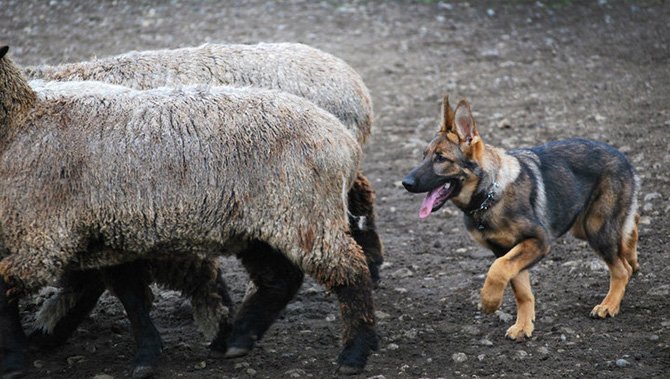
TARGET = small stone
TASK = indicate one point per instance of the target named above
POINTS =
(377, 377)
(504, 317)
(103, 376)
(652, 196)
(485, 342)
(543, 350)
(241, 365)
(251, 372)
(392, 346)
(38, 364)
(330, 318)
(294, 373)
(481, 357)
(653, 337)
(519, 355)
(402, 273)
(622, 363)
(75, 359)
(380, 315)
(470, 329)
(459, 357)
(504, 124)
(563, 338)
(200, 365)
(490, 12)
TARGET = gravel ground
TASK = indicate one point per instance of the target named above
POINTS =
(534, 71)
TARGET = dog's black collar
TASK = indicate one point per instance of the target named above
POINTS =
(480, 203)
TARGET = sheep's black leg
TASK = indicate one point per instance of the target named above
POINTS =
(276, 280)
(130, 283)
(86, 287)
(360, 338)
(13, 341)
(361, 199)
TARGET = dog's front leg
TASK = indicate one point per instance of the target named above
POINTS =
(525, 307)
(507, 267)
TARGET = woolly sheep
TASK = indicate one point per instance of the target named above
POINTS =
(296, 68)
(109, 175)
(322, 78)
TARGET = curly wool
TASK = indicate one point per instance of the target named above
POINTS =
(299, 69)
(170, 172)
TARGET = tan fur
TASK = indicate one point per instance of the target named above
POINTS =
(506, 208)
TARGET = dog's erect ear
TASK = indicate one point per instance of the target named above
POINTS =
(3, 51)
(447, 116)
(464, 123)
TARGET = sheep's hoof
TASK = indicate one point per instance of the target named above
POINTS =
(142, 372)
(236, 352)
(349, 370)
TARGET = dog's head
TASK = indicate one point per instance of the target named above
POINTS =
(451, 162)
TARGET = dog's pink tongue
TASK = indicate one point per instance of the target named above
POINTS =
(428, 202)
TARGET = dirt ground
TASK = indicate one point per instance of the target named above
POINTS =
(533, 70)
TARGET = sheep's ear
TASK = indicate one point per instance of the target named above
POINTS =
(3, 51)
(447, 116)
(464, 123)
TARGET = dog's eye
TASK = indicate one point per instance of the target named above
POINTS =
(439, 158)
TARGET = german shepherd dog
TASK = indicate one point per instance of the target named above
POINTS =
(516, 202)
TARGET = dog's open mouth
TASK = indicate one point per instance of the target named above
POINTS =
(437, 198)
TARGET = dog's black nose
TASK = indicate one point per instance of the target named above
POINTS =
(409, 182)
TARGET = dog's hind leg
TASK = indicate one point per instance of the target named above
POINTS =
(629, 246)
(605, 224)
(525, 307)
(619, 275)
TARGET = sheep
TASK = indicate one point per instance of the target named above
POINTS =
(109, 175)
(295, 68)
(322, 78)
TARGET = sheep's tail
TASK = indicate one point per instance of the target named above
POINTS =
(56, 308)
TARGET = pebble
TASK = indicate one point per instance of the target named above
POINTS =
(653, 337)
(295, 373)
(622, 363)
(38, 364)
(75, 359)
(459, 357)
(504, 316)
(543, 350)
(103, 376)
(481, 357)
(519, 355)
(504, 124)
(200, 365)
(377, 377)
(393, 346)
(485, 342)
(470, 329)
(652, 196)
(251, 372)
(381, 315)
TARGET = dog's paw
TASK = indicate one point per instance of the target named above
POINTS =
(491, 296)
(519, 331)
(605, 309)
(491, 301)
